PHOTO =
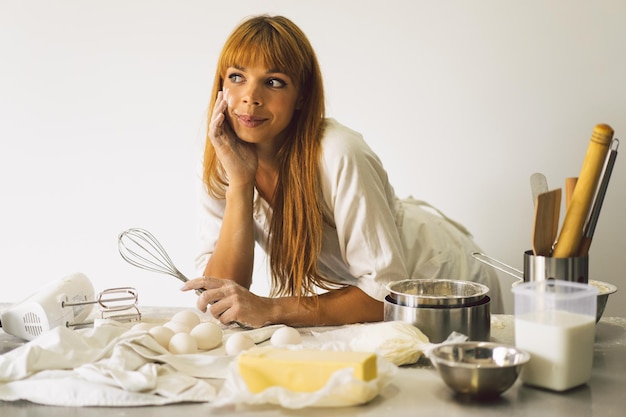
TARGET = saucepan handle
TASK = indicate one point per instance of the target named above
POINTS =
(500, 266)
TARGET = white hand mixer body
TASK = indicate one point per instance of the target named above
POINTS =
(45, 309)
(68, 302)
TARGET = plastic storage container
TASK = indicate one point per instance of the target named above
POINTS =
(555, 323)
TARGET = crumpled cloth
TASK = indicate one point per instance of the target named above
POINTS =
(399, 342)
(109, 365)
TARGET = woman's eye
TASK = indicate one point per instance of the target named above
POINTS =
(235, 78)
(276, 83)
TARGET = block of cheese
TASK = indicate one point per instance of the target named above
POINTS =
(305, 370)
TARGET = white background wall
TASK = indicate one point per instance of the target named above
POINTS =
(102, 106)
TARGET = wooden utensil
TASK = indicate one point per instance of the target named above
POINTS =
(569, 240)
(546, 222)
(570, 184)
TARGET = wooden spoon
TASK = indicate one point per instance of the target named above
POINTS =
(546, 222)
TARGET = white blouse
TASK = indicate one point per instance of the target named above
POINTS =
(376, 238)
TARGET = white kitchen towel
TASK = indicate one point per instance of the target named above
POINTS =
(66, 388)
(110, 365)
(60, 348)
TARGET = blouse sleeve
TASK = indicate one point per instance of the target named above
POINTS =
(363, 204)
(209, 222)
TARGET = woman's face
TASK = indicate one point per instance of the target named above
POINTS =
(261, 103)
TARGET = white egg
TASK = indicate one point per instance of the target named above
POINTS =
(208, 335)
(286, 336)
(162, 335)
(183, 343)
(188, 317)
(178, 327)
(237, 343)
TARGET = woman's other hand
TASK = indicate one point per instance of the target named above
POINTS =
(238, 158)
(230, 302)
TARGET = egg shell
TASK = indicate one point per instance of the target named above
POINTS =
(188, 317)
(178, 327)
(208, 335)
(237, 343)
(182, 343)
(286, 336)
(162, 335)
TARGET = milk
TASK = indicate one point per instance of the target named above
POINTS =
(561, 347)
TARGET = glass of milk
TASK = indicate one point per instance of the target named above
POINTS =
(555, 323)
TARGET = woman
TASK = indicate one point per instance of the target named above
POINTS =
(310, 192)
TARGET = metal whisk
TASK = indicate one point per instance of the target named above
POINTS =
(140, 248)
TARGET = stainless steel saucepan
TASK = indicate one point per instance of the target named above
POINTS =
(440, 307)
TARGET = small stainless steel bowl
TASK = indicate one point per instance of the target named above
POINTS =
(481, 370)
(436, 292)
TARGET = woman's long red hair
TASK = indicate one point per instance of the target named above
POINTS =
(297, 221)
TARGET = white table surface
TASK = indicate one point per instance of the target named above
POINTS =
(416, 390)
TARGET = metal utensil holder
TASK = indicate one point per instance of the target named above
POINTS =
(540, 268)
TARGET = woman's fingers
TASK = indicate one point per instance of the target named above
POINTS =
(217, 127)
(194, 284)
(205, 284)
(228, 301)
(222, 310)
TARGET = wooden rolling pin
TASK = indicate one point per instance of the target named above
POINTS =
(570, 185)
(569, 240)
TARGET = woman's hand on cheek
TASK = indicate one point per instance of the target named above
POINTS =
(238, 158)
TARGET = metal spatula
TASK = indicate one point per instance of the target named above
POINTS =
(538, 185)
(546, 222)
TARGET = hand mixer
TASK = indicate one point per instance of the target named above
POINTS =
(67, 302)
(140, 248)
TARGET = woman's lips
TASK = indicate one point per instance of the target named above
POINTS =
(250, 121)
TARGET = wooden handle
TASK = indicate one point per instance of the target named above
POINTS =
(570, 185)
(546, 224)
(571, 235)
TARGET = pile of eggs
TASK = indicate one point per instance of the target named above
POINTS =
(184, 333)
